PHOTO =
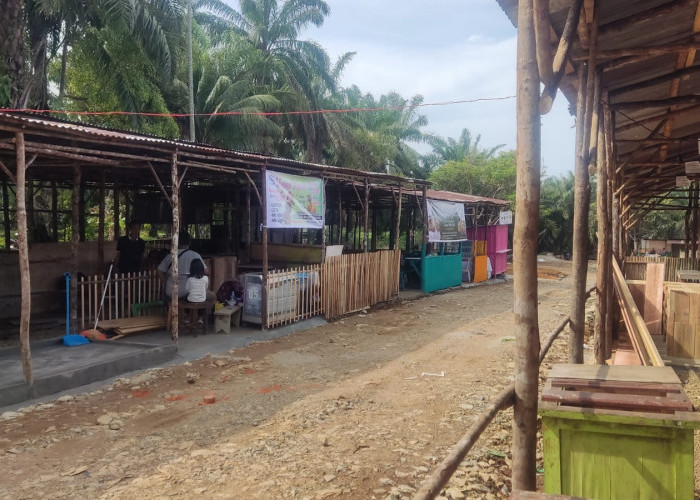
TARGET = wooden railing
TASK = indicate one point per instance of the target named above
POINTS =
(636, 269)
(293, 295)
(123, 291)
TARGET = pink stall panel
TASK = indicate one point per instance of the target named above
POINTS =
(497, 247)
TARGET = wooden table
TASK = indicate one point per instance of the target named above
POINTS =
(613, 432)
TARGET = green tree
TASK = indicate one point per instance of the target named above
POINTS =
(480, 174)
(556, 213)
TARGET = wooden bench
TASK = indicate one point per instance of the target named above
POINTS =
(224, 316)
(193, 309)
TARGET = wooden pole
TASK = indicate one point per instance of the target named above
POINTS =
(525, 237)
(54, 211)
(397, 230)
(543, 28)
(609, 167)
(248, 221)
(74, 243)
(263, 203)
(602, 280)
(81, 210)
(22, 244)
(6, 213)
(580, 241)
(340, 217)
(365, 238)
(101, 224)
(115, 214)
(174, 244)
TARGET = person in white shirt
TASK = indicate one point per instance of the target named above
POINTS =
(197, 283)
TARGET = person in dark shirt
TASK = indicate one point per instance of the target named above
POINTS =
(130, 250)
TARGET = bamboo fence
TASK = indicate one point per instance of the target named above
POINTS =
(358, 281)
(123, 291)
(636, 267)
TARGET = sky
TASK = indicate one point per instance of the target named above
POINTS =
(444, 50)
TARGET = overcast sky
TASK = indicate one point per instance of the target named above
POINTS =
(445, 50)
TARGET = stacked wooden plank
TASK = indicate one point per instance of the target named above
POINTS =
(127, 326)
(682, 320)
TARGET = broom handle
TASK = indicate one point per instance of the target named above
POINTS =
(104, 292)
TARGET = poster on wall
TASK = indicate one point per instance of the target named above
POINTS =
(294, 201)
(446, 221)
(505, 217)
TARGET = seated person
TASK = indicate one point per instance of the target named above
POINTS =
(185, 257)
(197, 285)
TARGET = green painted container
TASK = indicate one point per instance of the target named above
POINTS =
(606, 453)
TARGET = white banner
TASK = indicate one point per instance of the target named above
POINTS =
(294, 201)
(505, 218)
(446, 221)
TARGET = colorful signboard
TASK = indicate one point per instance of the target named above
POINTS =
(446, 221)
(294, 201)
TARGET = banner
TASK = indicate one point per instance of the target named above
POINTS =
(446, 221)
(294, 201)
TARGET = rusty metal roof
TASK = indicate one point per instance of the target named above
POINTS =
(463, 198)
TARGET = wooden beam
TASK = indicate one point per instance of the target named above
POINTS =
(626, 23)
(560, 57)
(644, 84)
(682, 100)
(365, 206)
(23, 246)
(160, 184)
(644, 52)
(397, 226)
(8, 173)
(525, 236)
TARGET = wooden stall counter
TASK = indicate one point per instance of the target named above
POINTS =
(613, 432)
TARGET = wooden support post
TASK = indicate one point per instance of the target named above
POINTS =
(249, 234)
(374, 230)
(54, 211)
(525, 236)
(340, 217)
(81, 210)
(580, 236)
(424, 214)
(324, 209)
(602, 278)
(397, 230)
(609, 255)
(29, 207)
(6, 214)
(74, 242)
(263, 203)
(101, 224)
(23, 246)
(115, 214)
(365, 237)
(174, 245)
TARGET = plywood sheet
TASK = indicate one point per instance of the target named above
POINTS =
(654, 297)
(661, 374)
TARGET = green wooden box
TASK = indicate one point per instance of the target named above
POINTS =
(616, 432)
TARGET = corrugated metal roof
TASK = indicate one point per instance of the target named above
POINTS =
(641, 24)
(462, 198)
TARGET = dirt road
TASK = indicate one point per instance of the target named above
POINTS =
(361, 408)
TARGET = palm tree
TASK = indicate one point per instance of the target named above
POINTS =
(11, 53)
(556, 213)
(273, 29)
(466, 147)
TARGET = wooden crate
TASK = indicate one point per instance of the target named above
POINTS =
(613, 432)
(682, 320)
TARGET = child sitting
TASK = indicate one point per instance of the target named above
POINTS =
(197, 283)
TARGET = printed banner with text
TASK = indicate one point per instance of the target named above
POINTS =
(446, 221)
(294, 201)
